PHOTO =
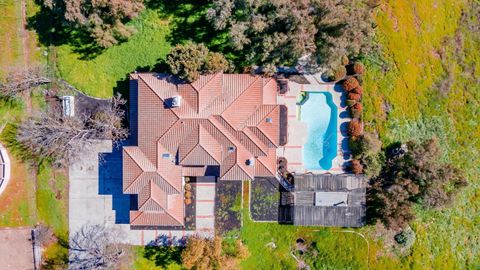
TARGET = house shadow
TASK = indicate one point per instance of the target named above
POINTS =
(110, 171)
(110, 175)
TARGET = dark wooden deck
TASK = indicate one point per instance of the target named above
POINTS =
(338, 216)
(306, 213)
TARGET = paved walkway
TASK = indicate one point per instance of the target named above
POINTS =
(95, 197)
(297, 130)
(4, 168)
(16, 251)
(205, 219)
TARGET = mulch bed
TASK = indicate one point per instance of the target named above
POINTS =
(228, 206)
(190, 210)
(265, 199)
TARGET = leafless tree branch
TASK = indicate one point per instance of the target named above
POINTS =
(21, 81)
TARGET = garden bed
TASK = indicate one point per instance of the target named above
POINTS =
(265, 199)
(190, 209)
(228, 206)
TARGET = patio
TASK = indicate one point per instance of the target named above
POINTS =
(297, 130)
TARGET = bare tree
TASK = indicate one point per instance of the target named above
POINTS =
(44, 235)
(63, 139)
(95, 247)
(22, 80)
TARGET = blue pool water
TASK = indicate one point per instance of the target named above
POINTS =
(321, 114)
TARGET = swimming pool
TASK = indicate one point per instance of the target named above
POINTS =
(321, 114)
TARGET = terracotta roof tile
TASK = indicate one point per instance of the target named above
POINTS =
(221, 122)
(270, 126)
(194, 171)
(245, 105)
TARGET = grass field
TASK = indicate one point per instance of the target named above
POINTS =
(99, 76)
(432, 90)
(17, 202)
(10, 42)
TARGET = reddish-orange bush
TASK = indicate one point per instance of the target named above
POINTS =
(356, 110)
(354, 96)
(355, 128)
(356, 167)
(358, 107)
(358, 68)
(358, 90)
(350, 83)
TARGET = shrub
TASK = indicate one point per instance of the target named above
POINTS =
(345, 61)
(356, 146)
(372, 164)
(366, 145)
(339, 73)
(356, 110)
(358, 68)
(216, 62)
(356, 167)
(188, 201)
(355, 113)
(350, 83)
(406, 237)
(358, 107)
(354, 96)
(355, 128)
(350, 102)
(188, 187)
(357, 90)
(188, 194)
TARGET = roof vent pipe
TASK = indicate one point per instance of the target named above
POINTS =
(176, 101)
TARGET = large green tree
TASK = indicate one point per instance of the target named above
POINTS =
(283, 31)
(190, 60)
(103, 20)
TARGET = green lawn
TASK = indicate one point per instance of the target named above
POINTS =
(52, 199)
(149, 258)
(99, 76)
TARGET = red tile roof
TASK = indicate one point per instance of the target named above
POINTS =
(226, 120)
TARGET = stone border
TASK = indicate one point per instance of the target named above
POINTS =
(6, 167)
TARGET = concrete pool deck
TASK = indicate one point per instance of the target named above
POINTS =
(297, 130)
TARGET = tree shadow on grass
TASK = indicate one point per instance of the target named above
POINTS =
(188, 22)
(53, 30)
(162, 253)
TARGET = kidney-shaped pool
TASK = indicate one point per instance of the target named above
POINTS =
(321, 115)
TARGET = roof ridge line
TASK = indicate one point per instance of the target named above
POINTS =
(241, 94)
(198, 142)
(253, 134)
(266, 105)
(151, 89)
(256, 78)
(198, 90)
(266, 167)
(137, 162)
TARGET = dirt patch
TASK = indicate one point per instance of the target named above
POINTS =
(20, 257)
